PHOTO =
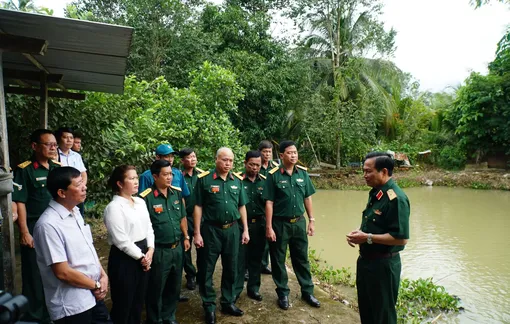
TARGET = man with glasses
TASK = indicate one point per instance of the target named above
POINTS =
(32, 199)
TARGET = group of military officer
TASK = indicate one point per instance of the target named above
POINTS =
(235, 216)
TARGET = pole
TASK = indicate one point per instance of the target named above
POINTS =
(8, 262)
(43, 102)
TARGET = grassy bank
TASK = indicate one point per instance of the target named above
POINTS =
(418, 301)
(352, 179)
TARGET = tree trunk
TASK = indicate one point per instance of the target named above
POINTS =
(338, 151)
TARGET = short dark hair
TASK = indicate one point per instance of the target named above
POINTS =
(382, 161)
(285, 144)
(185, 152)
(118, 174)
(157, 165)
(61, 178)
(77, 134)
(252, 154)
(35, 137)
(265, 144)
(62, 130)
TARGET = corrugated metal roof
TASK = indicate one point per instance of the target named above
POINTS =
(91, 56)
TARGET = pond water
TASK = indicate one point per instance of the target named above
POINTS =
(459, 237)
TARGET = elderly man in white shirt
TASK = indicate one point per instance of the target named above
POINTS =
(72, 276)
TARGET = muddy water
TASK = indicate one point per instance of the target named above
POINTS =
(459, 237)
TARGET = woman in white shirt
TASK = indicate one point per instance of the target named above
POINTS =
(131, 238)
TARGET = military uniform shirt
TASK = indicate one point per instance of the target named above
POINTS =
(387, 211)
(256, 205)
(270, 165)
(191, 182)
(32, 176)
(220, 199)
(166, 214)
(288, 192)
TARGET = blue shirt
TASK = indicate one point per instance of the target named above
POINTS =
(146, 181)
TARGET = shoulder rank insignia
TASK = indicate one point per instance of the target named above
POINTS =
(263, 176)
(144, 193)
(176, 188)
(203, 174)
(238, 175)
(56, 162)
(273, 170)
(391, 194)
(274, 163)
(302, 167)
(24, 164)
(199, 170)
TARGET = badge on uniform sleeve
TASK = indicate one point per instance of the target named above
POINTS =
(158, 208)
(379, 195)
(215, 189)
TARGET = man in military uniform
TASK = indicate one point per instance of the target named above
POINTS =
(288, 192)
(266, 151)
(250, 255)
(168, 217)
(190, 173)
(32, 199)
(221, 200)
(383, 234)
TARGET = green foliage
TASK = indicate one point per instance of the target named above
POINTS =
(452, 157)
(125, 129)
(25, 5)
(327, 274)
(422, 299)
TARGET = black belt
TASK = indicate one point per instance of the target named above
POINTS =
(288, 219)
(255, 219)
(220, 225)
(377, 255)
(168, 245)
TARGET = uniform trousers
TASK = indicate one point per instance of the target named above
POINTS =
(81, 318)
(189, 268)
(377, 283)
(165, 284)
(128, 285)
(31, 281)
(224, 242)
(293, 235)
(250, 256)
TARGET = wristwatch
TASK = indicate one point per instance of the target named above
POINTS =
(369, 238)
(98, 285)
(186, 237)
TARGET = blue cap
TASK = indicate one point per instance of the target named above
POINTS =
(164, 149)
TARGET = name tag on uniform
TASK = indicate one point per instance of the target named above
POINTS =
(215, 189)
(233, 187)
(158, 208)
(40, 179)
(377, 212)
(260, 188)
(283, 181)
(246, 187)
(176, 202)
(300, 180)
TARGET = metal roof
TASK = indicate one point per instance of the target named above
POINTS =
(91, 56)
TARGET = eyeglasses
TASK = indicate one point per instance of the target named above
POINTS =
(50, 145)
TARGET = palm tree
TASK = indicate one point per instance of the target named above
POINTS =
(27, 6)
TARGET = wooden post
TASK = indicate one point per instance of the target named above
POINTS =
(43, 102)
(9, 258)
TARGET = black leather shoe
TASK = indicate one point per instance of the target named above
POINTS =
(311, 300)
(183, 299)
(255, 295)
(210, 318)
(283, 302)
(246, 275)
(266, 270)
(191, 284)
(231, 310)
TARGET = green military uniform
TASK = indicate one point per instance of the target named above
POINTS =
(265, 254)
(31, 177)
(379, 266)
(288, 192)
(165, 276)
(250, 255)
(220, 201)
(191, 181)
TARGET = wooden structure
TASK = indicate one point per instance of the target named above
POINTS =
(47, 56)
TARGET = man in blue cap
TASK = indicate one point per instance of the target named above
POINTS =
(167, 153)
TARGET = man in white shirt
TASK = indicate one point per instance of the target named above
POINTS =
(72, 276)
(66, 156)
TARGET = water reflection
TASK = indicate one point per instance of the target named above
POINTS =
(459, 237)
